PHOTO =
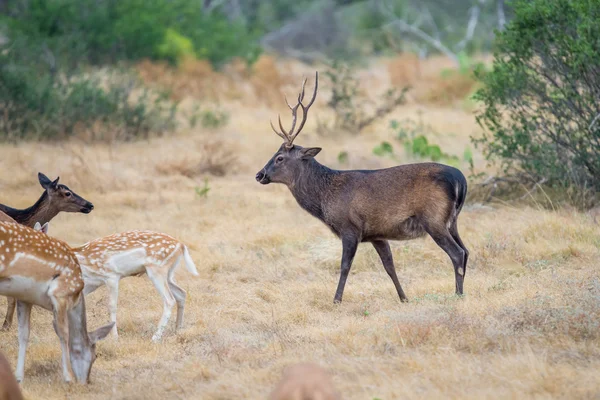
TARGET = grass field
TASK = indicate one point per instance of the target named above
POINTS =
(528, 326)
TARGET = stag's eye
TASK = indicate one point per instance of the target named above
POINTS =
(68, 194)
(279, 159)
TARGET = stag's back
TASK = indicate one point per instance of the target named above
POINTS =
(305, 381)
(9, 388)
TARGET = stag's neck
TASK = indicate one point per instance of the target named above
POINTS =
(42, 212)
(311, 187)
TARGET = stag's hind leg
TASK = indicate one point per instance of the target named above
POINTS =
(458, 240)
(385, 253)
(444, 239)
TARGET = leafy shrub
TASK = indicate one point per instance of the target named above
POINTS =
(541, 109)
(414, 137)
(38, 102)
(109, 31)
(175, 47)
(349, 103)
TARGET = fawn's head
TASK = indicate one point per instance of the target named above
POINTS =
(82, 344)
(62, 198)
(290, 158)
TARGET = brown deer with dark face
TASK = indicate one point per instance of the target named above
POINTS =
(56, 198)
(398, 203)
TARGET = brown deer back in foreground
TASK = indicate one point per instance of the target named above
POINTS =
(9, 388)
(56, 198)
(375, 206)
(305, 381)
(5, 218)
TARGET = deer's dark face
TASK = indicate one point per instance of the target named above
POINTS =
(286, 164)
(63, 198)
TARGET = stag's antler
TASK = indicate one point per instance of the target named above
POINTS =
(290, 136)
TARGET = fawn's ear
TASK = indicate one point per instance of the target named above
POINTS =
(43, 229)
(309, 152)
(100, 333)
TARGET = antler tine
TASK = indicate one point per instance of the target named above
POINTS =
(304, 108)
(286, 138)
(301, 95)
(287, 134)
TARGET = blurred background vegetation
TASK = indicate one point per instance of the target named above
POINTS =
(72, 68)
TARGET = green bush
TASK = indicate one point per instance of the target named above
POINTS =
(113, 30)
(175, 47)
(38, 102)
(541, 111)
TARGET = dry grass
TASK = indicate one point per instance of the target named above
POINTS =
(435, 81)
(527, 327)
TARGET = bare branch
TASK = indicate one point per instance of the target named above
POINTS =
(501, 14)
(594, 122)
(404, 26)
(475, 11)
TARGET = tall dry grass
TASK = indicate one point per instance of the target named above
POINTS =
(527, 327)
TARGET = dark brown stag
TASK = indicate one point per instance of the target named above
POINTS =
(56, 198)
(398, 203)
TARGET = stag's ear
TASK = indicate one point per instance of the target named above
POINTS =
(309, 152)
(100, 333)
(37, 227)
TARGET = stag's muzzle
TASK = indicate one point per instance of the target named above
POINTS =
(262, 177)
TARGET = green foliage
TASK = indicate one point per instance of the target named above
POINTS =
(202, 191)
(385, 148)
(109, 31)
(413, 135)
(342, 157)
(540, 100)
(214, 119)
(175, 47)
(38, 102)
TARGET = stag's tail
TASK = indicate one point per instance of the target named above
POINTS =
(455, 185)
(189, 263)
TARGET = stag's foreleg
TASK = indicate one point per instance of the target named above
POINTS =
(350, 244)
(385, 253)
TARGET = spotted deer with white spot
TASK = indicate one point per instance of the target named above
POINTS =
(107, 260)
(36, 269)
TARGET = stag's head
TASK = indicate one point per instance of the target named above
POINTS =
(62, 198)
(290, 159)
